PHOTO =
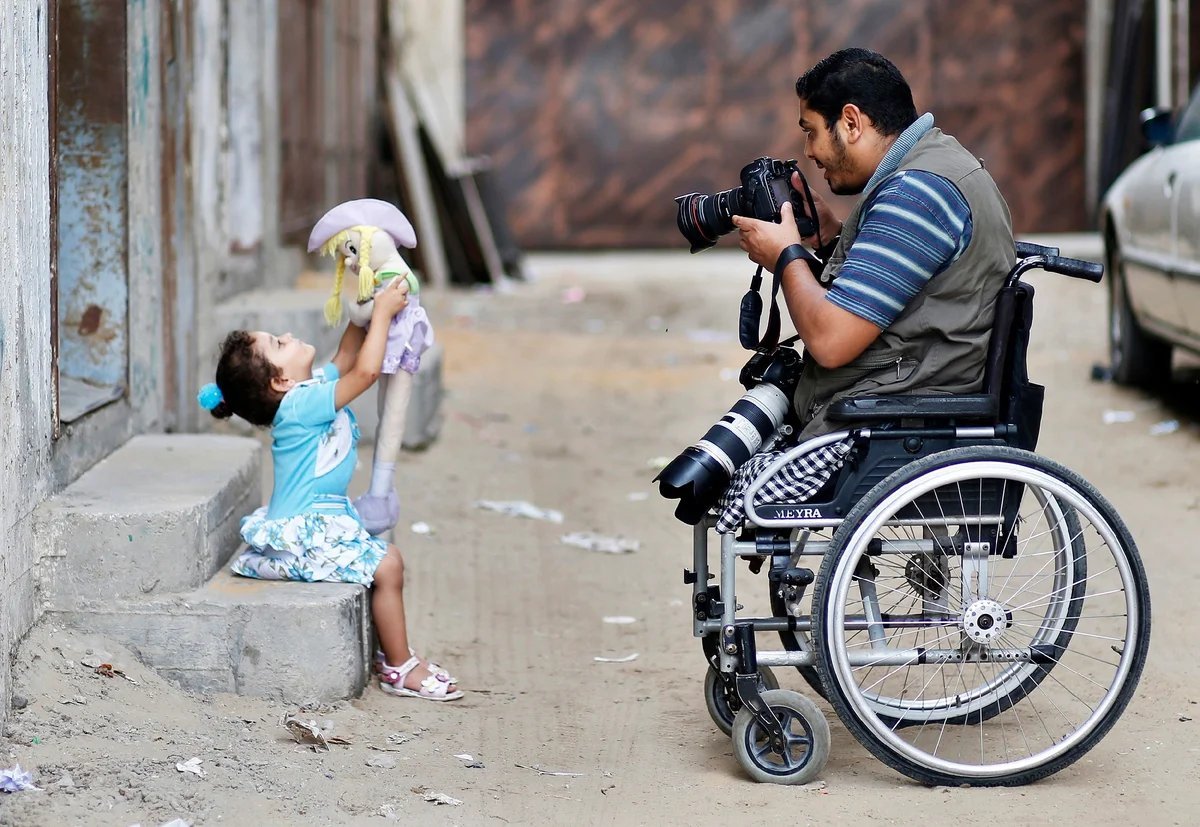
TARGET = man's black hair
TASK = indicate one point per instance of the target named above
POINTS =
(864, 78)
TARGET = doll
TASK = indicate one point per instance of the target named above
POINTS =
(363, 236)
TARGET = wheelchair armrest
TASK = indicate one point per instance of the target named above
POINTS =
(878, 408)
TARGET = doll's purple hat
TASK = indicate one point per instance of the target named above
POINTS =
(370, 212)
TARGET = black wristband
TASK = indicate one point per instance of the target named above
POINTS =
(790, 254)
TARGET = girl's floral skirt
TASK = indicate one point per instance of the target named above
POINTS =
(328, 542)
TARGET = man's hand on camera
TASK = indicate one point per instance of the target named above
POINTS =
(765, 240)
(828, 224)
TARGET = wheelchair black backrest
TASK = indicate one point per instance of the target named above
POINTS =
(1006, 372)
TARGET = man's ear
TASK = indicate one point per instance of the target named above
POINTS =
(856, 122)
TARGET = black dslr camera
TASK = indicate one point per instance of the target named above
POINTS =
(766, 186)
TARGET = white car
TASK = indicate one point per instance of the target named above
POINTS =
(1151, 224)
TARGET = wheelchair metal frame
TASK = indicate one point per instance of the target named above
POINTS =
(729, 640)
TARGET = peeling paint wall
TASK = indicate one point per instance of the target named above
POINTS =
(25, 378)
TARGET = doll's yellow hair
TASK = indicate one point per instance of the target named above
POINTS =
(366, 276)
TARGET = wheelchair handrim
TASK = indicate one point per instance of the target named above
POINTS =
(836, 641)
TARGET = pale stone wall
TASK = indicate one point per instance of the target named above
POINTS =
(25, 364)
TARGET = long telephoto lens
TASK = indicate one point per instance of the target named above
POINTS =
(699, 475)
(702, 219)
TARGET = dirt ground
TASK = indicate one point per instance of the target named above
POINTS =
(564, 392)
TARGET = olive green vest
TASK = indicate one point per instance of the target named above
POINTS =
(939, 342)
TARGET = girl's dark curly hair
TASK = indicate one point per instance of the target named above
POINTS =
(244, 376)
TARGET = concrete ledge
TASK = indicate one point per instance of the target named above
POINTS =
(291, 642)
(424, 420)
(298, 310)
(160, 514)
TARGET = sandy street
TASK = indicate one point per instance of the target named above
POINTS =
(563, 393)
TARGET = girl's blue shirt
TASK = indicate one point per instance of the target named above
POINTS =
(313, 446)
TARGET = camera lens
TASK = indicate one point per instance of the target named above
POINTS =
(702, 219)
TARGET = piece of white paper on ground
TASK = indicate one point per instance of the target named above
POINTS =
(626, 659)
(14, 780)
(620, 620)
(1169, 426)
(191, 765)
(598, 542)
(520, 508)
(1113, 417)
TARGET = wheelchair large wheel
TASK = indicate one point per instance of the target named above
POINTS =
(927, 579)
(1030, 634)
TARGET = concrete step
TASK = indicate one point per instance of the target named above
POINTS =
(424, 420)
(291, 642)
(297, 310)
(159, 515)
(136, 549)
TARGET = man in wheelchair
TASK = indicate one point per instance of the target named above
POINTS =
(980, 614)
(901, 297)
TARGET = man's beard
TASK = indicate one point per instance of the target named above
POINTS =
(838, 163)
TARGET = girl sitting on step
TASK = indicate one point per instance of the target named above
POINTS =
(310, 531)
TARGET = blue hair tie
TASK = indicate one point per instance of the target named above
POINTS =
(210, 396)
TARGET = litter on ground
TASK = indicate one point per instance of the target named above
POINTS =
(520, 508)
(598, 542)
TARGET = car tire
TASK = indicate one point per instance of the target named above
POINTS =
(1136, 357)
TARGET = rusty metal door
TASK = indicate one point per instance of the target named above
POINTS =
(90, 181)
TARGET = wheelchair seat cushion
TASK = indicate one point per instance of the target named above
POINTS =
(796, 482)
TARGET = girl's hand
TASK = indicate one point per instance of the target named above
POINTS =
(392, 299)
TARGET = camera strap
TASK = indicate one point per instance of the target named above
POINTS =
(751, 315)
(752, 304)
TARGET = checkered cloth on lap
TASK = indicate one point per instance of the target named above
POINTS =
(795, 482)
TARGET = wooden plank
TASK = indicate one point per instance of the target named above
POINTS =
(406, 138)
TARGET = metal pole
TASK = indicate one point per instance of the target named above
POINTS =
(1163, 87)
(1183, 51)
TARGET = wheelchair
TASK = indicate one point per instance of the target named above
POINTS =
(974, 613)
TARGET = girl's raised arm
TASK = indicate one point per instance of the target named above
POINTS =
(348, 348)
(388, 302)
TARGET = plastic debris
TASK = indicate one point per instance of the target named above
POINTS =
(520, 508)
(620, 620)
(14, 780)
(177, 822)
(626, 659)
(435, 797)
(598, 542)
(1168, 426)
(637, 496)
(541, 771)
(383, 762)
(422, 528)
(1112, 417)
(192, 765)
(470, 761)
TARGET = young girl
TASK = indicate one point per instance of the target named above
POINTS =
(310, 531)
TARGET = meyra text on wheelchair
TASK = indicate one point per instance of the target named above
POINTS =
(973, 612)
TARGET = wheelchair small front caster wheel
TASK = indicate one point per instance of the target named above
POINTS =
(805, 747)
(721, 698)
